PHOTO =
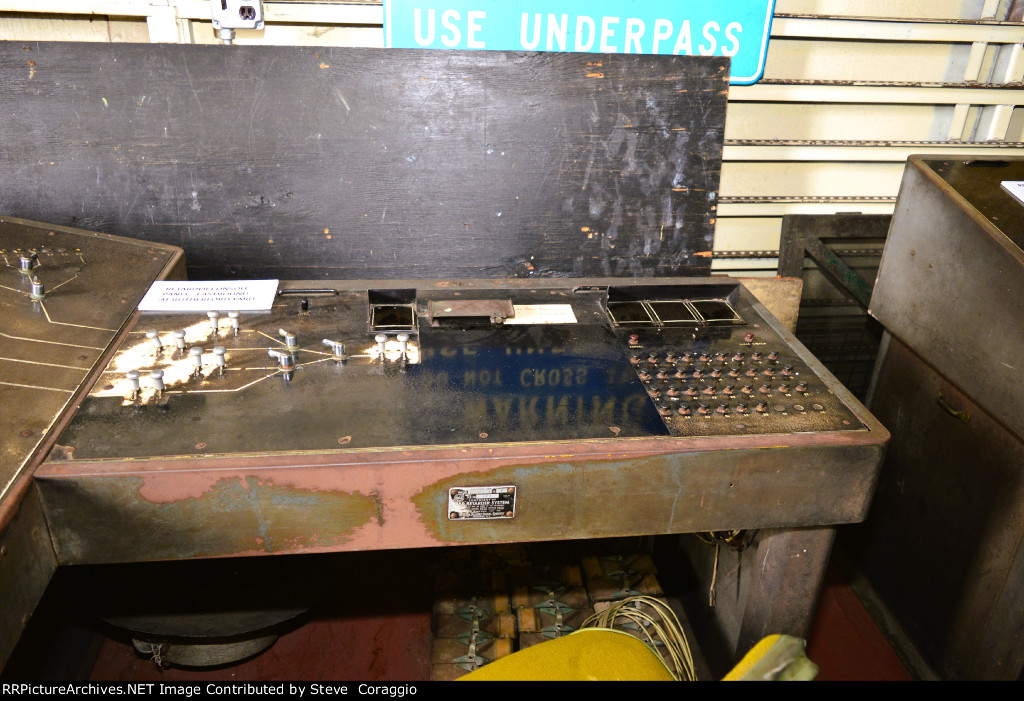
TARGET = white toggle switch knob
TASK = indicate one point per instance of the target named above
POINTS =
(154, 336)
(214, 317)
(381, 340)
(218, 357)
(234, 321)
(133, 379)
(403, 340)
(158, 379)
(179, 339)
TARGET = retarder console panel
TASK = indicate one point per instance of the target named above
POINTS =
(332, 367)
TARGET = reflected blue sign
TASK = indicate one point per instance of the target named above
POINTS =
(735, 28)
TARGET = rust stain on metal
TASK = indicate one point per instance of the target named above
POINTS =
(62, 452)
(379, 503)
(344, 439)
(563, 498)
(558, 488)
(595, 75)
(262, 515)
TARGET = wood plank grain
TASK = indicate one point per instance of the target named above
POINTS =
(303, 162)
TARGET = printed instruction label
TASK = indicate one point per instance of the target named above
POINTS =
(1015, 188)
(215, 295)
(468, 503)
(542, 314)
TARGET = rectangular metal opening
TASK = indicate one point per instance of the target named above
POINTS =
(629, 313)
(392, 316)
(468, 313)
(716, 311)
(392, 310)
(673, 312)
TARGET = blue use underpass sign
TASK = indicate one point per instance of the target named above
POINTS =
(735, 28)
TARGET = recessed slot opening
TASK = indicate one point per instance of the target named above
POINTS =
(674, 293)
(697, 305)
(392, 310)
(629, 313)
(392, 316)
(673, 312)
(469, 313)
(716, 311)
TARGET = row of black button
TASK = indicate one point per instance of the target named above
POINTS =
(674, 390)
(742, 408)
(687, 357)
(682, 373)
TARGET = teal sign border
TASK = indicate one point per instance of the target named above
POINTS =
(739, 29)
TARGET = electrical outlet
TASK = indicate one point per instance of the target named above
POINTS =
(237, 14)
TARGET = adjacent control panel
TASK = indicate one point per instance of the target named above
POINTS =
(331, 368)
(64, 296)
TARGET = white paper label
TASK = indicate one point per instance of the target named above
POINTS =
(214, 295)
(542, 314)
(1015, 188)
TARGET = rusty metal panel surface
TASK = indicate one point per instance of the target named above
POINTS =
(951, 282)
(603, 428)
(942, 543)
(165, 511)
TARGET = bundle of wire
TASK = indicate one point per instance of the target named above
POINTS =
(659, 628)
(737, 540)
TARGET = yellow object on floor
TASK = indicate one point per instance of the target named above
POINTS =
(599, 654)
(778, 658)
(590, 654)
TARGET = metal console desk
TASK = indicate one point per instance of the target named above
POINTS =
(423, 171)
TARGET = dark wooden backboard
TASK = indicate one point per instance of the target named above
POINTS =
(300, 162)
